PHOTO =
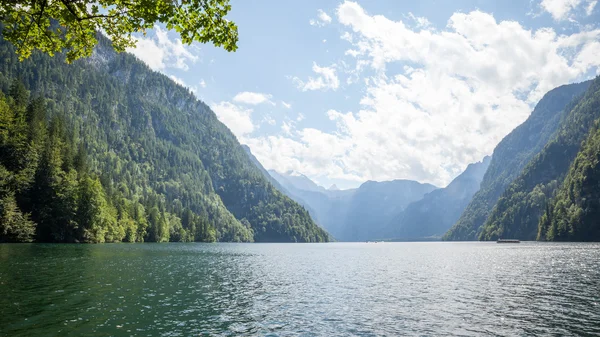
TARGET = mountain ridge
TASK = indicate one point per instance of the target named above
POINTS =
(430, 217)
(518, 211)
(511, 155)
(152, 140)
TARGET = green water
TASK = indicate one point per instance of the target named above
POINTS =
(340, 289)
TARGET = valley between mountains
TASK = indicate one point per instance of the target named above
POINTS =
(108, 150)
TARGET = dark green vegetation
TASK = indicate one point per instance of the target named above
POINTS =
(512, 154)
(430, 217)
(518, 211)
(574, 214)
(106, 150)
(71, 25)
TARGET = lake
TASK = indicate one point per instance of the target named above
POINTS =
(337, 289)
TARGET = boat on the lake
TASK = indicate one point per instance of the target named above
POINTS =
(508, 241)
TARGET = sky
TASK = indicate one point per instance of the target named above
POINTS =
(350, 91)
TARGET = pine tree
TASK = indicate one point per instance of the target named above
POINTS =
(14, 225)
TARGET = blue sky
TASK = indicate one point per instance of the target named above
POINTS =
(349, 91)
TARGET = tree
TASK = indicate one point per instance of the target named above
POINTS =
(97, 221)
(71, 25)
(14, 225)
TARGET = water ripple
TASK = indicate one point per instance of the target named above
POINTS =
(389, 289)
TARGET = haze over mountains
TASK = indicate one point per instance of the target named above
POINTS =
(399, 209)
(432, 216)
(540, 184)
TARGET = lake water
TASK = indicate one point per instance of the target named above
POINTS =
(338, 289)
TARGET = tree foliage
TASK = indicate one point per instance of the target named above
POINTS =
(71, 25)
(574, 214)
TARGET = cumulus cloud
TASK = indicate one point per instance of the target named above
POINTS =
(321, 20)
(161, 52)
(237, 119)
(202, 83)
(286, 105)
(562, 9)
(310, 151)
(326, 79)
(253, 98)
(450, 97)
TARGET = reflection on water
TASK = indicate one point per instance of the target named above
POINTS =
(341, 289)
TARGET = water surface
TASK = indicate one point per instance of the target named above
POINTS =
(338, 289)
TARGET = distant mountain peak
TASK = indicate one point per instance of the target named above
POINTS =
(293, 173)
(333, 188)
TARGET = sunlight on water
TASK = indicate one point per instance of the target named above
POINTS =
(347, 289)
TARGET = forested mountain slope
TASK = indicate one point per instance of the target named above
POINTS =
(574, 213)
(512, 154)
(158, 152)
(432, 216)
(518, 211)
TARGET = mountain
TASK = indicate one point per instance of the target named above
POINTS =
(278, 185)
(355, 214)
(333, 188)
(298, 180)
(512, 154)
(573, 214)
(432, 216)
(305, 192)
(264, 171)
(158, 157)
(374, 205)
(518, 211)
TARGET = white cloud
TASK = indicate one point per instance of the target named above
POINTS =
(286, 105)
(300, 117)
(420, 22)
(269, 120)
(450, 97)
(253, 98)
(590, 7)
(286, 127)
(310, 151)
(148, 51)
(181, 82)
(562, 9)
(237, 119)
(161, 52)
(321, 20)
(202, 83)
(326, 79)
(177, 80)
